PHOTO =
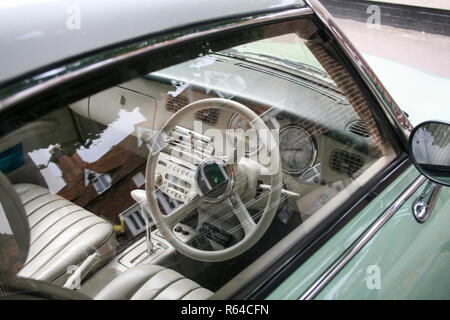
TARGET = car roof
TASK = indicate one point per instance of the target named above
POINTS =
(37, 33)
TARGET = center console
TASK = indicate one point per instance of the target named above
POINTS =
(162, 250)
(163, 253)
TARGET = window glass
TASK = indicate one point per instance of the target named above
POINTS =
(13, 250)
(236, 148)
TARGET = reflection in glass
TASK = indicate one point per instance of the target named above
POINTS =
(84, 160)
(431, 150)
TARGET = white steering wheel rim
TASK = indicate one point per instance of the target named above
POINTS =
(273, 197)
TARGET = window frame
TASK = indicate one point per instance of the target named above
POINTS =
(21, 98)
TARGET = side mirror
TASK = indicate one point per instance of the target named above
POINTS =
(429, 147)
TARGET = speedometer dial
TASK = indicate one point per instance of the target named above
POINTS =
(297, 150)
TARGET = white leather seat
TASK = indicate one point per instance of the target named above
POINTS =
(62, 234)
(152, 282)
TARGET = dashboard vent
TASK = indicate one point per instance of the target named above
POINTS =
(358, 127)
(208, 116)
(176, 103)
(345, 162)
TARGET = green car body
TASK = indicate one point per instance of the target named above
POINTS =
(412, 258)
(378, 251)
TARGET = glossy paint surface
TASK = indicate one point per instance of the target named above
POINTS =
(296, 284)
(411, 260)
(34, 34)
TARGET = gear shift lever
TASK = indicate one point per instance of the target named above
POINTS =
(140, 197)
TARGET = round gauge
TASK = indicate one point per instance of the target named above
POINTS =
(297, 150)
(241, 125)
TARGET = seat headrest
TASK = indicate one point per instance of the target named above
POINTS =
(14, 230)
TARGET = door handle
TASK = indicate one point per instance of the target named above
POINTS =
(425, 203)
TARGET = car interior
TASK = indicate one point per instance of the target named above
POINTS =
(170, 185)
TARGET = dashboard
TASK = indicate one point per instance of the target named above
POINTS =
(323, 144)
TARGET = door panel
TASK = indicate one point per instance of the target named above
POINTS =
(302, 279)
(404, 260)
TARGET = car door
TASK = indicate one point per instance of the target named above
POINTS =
(374, 258)
(386, 251)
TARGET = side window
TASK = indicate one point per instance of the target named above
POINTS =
(81, 171)
(8, 246)
(13, 232)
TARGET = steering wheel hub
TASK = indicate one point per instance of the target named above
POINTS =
(214, 180)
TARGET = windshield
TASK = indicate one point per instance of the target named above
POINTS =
(287, 51)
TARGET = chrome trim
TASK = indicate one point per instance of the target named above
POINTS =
(351, 251)
(393, 112)
(421, 208)
(25, 94)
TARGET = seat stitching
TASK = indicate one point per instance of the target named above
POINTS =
(20, 192)
(82, 259)
(36, 197)
(145, 281)
(56, 236)
(56, 221)
(66, 245)
(167, 286)
(142, 283)
(27, 189)
(191, 290)
(49, 213)
(54, 200)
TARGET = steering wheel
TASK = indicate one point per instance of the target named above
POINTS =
(224, 180)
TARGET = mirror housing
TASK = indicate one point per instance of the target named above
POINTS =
(429, 148)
